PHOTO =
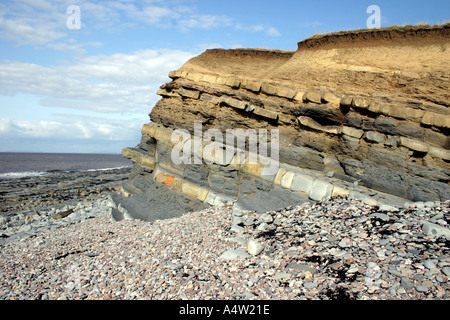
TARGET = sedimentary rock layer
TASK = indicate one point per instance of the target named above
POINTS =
(367, 117)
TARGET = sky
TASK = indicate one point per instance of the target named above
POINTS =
(82, 76)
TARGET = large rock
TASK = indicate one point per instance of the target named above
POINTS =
(435, 230)
(320, 190)
(234, 254)
(302, 183)
(254, 247)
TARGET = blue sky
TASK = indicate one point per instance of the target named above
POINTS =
(91, 89)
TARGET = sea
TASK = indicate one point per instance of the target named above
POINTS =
(18, 165)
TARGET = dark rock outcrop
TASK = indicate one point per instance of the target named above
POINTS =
(369, 119)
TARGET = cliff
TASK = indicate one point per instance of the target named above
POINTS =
(363, 113)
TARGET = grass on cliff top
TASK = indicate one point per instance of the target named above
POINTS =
(393, 27)
(256, 49)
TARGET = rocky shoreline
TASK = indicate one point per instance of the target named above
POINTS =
(32, 193)
(338, 248)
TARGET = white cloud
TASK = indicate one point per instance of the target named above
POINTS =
(99, 15)
(34, 129)
(72, 46)
(120, 87)
(27, 31)
(117, 86)
(76, 129)
(140, 67)
(108, 13)
(270, 31)
(273, 32)
(43, 23)
(205, 21)
(33, 22)
(153, 14)
(102, 83)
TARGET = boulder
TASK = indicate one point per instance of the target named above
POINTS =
(189, 93)
(331, 98)
(362, 103)
(268, 114)
(320, 190)
(310, 123)
(285, 93)
(346, 101)
(254, 247)
(286, 180)
(414, 145)
(313, 96)
(234, 254)
(302, 183)
(352, 132)
(268, 89)
(251, 85)
(373, 136)
(435, 230)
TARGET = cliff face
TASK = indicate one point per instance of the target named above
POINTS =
(363, 113)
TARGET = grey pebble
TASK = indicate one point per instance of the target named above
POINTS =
(310, 285)
(263, 227)
(381, 216)
(413, 251)
(25, 228)
(418, 277)
(437, 217)
(422, 289)
(176, 266)
(435, 230)
(3, 220)
(395, 272)
(393, 289)
(232, 254)
(446, 271)
(266, 218)
(301, 267)
(406, 283)
(239, 240)
(430, 204)
(236, 228)
(429, 264)
(282, 276)
(254, 247)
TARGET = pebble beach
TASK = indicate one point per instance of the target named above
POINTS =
(337, 249)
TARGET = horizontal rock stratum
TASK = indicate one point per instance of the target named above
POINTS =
(363, 113)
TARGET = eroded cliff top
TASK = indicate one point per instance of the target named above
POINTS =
(410, 35)
(411, 63)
